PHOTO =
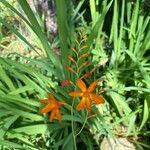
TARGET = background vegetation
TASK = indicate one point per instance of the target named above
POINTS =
(115, 34)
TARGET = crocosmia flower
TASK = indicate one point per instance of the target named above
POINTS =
(65, 82)
(52, 105)
(87, 95)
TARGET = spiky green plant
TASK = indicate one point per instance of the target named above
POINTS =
(116, 38)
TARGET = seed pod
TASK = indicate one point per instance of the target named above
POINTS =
(70, 69)
(83, 47)
(71, 59)
(88, 74)
(74, 50)
(83, 64)
(84, 55)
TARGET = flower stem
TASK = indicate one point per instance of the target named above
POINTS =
(83, 124)
(72, 126)
(72, 114)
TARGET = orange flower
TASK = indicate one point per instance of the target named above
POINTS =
(87, 95)
(52, 105)
(65, 82)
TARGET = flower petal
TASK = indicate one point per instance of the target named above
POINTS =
(81, 85)
(44, 100)
(60, 103)
(75, 94)
(97, 98)
(88, 104)
(51, 96)
(65, 82)
(58, 114)
(47, 108)
(92, 86)
(53, 113)
(81, 104)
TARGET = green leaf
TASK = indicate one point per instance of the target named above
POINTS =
(131, 125)
(62, 20)
(93, 11)
(120, 103)
(15, 99)
(25, 114)
(87, 141)
(70, 118)
(39, 128)
(98, 25)
(145, 113)
(37, 29)
(21, 90)
(23, 139)
(68, 142)
(8, 122)
(19, 35)
(4, 77)
(11, 145)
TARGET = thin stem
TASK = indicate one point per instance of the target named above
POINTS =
(72, 114)
(72, 122)
(94, 115)
(72, 126)
(83, 124)
(70, 106)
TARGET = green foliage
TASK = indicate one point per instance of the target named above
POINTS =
(116, 38)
